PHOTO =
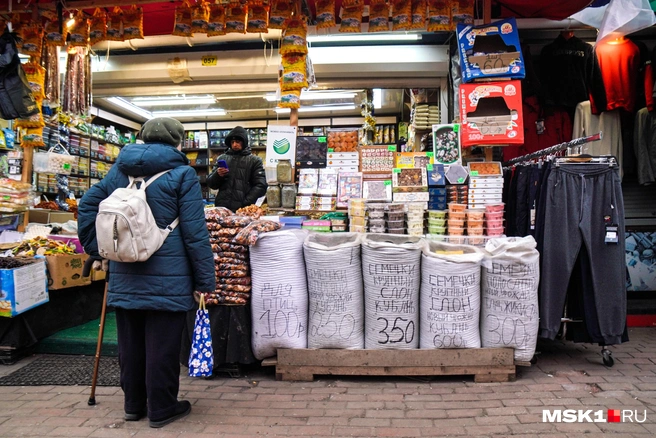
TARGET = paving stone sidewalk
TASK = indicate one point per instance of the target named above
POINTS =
(566, 376)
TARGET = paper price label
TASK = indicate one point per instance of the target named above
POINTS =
(321, 139)
(429, 154)
(474, 173)
(331, 150)
(461, 180)
(429, 167)
(391, 148)
(396, 170)
(456, 128)
(66, 166)
(209, 61)
(387, 182)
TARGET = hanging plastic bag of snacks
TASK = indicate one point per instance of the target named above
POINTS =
(32, 36)
(97, 27)
(418, 19)
(182, 20)
(200, 14)
(133, 23)
(280, 11)
(379, 16)
(216, 20)
(325, 14)
(79, 31)
(290, 99)
(33, 137)
(53, 36)
(236, 15)
(115, 25)
(294, 72)
(258, 16)
(351, 18)
(294, 37)
(439, 16)
(401, 14)
(462, 12)
(36, 77)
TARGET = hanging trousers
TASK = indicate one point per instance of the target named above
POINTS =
(580, 201)
(149, 344)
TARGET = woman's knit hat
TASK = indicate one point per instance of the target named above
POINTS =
(162, 130)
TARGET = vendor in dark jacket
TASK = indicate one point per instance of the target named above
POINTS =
(243, 181)
(152, 298)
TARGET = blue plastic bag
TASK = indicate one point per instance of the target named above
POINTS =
(201, 357)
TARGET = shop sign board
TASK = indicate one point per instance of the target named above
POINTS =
(23, 288)
(281, 144)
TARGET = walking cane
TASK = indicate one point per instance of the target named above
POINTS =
(85, 273)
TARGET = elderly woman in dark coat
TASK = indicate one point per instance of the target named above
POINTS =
(152, 297)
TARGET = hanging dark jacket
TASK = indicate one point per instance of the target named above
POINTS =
(16, 98)
(245, 181)
(184, 263)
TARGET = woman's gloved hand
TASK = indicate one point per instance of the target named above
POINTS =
(101, 265)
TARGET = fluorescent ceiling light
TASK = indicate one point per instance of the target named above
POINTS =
(378, 98)
(119, 101)
(318, 95)
(190, 113)
(188, 100)
(364, 37)
(309, 109)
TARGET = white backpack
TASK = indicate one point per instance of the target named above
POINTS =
(126, 230)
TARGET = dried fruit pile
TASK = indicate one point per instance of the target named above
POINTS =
(230, 236)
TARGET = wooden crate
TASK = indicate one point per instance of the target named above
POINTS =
(486, 364)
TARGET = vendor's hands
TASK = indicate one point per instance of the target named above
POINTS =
(197, 296)
(222, 171)
(101, 265)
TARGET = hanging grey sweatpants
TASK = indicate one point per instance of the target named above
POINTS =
(581, 199)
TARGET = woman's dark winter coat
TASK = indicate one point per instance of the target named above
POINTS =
(245, 181)
(184, 263)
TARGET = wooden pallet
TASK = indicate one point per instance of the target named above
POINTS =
(486, 364)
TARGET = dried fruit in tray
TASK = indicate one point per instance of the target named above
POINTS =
(252, 210)
(343, 141)
(485, 168)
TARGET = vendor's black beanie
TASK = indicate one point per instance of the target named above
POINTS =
(162, 130)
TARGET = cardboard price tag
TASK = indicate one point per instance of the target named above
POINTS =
(396, 170)
(331, 150)
(474, 173)
(387, 182)
(429, 167)
(321, 140)
(391, 148)
(429, 154)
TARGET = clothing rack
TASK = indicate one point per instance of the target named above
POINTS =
(553, 149)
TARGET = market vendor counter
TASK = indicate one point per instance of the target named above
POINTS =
(67, 308)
